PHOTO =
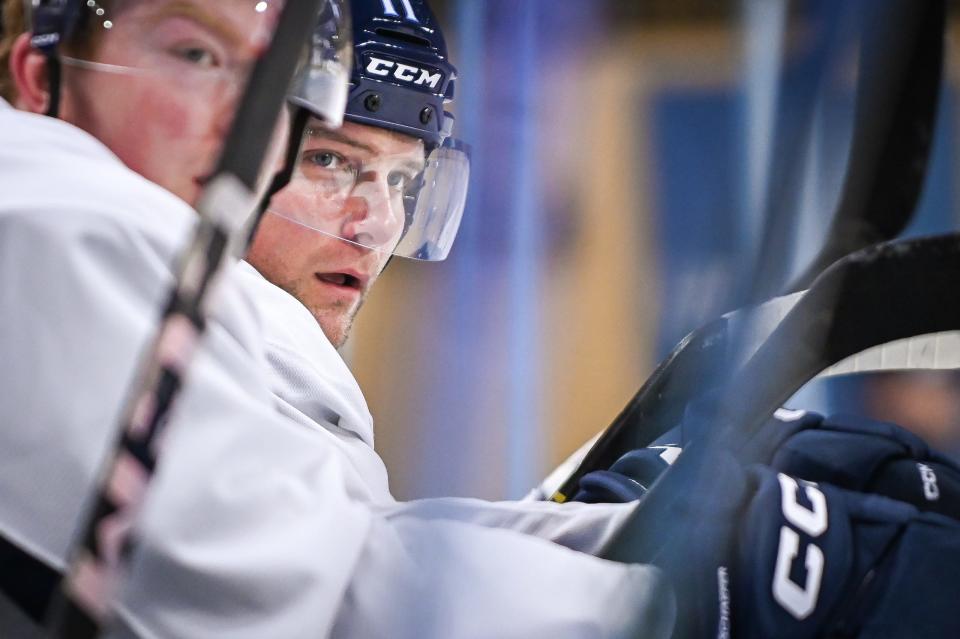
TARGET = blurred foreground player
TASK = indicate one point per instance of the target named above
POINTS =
(252, 527)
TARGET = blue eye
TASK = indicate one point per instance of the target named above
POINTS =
(327, 167)
(324, 159)
(399, 180)
(197, 55)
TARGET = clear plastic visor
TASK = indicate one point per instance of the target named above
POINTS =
(205, 48)
(378, 189)
(323, 81)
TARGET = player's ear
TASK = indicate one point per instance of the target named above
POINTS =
(29, 69)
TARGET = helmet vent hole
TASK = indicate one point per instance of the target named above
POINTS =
(403, 37)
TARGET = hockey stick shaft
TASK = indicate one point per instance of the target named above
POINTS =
(82, 605)
(890, 153)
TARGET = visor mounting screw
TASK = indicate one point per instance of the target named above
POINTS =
(372, 102)
(426, 115)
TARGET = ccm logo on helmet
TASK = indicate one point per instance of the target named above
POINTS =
(799, 600)
(404, 72)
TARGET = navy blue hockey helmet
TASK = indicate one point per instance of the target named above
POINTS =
(407, 201)
(402, 76)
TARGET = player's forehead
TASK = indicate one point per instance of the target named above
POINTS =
(238, 23)
(365, 140)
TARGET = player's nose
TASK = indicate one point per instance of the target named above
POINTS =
(370, 218)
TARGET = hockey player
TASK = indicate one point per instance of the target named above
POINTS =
(253, 526)
(390, 182)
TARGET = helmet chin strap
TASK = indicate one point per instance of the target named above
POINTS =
(53, 80)
(52, 23)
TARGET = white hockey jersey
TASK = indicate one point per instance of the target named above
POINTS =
(255, 526)
(313, 386)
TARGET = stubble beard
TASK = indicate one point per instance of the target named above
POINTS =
(335, 320)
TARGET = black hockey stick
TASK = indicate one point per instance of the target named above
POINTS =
(82, 605)
(898, 94)
(872, 297)
(797, 101)
(900, 68)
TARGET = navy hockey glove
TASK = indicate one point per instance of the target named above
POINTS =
(762, 554)
(843, 450)
(815, 560)
(629, 478)
(866, 456)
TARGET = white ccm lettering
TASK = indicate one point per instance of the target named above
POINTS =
(390, 10)
(426, 78)
(812, 521)
(799, 601)
(403, 72)
(379, 67)
(930, 488)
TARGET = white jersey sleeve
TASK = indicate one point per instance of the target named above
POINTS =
(250, 529)
(582, 527)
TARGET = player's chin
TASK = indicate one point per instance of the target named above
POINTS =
(336, 325)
